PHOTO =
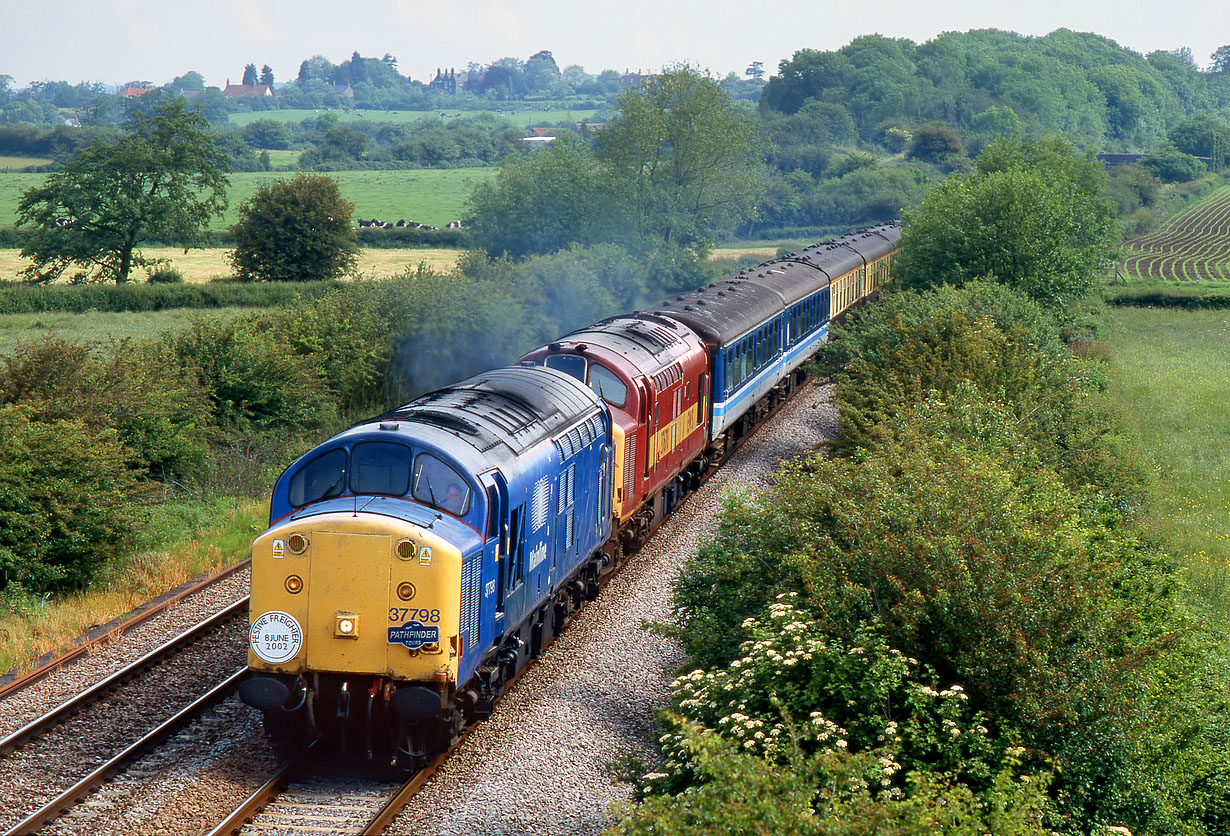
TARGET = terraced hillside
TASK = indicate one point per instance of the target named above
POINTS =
(1192, 246)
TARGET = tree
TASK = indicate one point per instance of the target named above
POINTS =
(546, 200)
(295, 230)
(687, 160)
(755, 70)
(249, 75)
(191, 80)
(1031, 215)
(936, 143)
(1221, 60)
(1202, 136)
(1170, 165)
(162, 178)
(267, 75)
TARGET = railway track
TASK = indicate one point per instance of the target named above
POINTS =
(13, 683)
(293, 802)
(63, 755)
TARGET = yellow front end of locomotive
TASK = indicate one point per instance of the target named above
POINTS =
(355, 594)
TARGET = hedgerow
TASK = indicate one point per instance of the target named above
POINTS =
(1002, 344)
(975, 540)
(22, 298)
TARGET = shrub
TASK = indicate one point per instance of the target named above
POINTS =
(901, 351)
(138, 389)
(68, 501)
(252, 378)
(979, 565)
(165, 274)
(795, 686)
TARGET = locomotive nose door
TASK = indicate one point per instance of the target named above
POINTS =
(350, 588)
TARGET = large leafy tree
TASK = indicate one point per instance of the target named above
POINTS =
(295, 230)
(677, 161)
(1031, 215)
(162, 178)
(546, 200)
(689, 161)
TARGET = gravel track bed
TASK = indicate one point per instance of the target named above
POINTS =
(541, 764)
(106, 658)
(322, 805)
(44, 767)
(185, 786)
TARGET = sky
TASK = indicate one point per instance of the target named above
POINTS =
(117, 41)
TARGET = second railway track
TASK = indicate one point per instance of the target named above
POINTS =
(61, 755)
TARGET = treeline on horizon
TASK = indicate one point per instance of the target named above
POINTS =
(851, 136)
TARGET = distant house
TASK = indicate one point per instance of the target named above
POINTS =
(246, 91)
(344, 90)
(70, 121)
(133, 91)
(633, 79)
(446, 81)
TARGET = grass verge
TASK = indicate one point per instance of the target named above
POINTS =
(1173, 374)
(185, 540)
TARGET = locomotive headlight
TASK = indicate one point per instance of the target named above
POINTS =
(346, 626)
(294, 584)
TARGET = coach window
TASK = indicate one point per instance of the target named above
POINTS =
(569, 364)
(608, 387)
(380, 467)
(438, 485)
(321, 478)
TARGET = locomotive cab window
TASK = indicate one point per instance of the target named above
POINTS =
(380, 467)
(321, 478)
(440, 486)
(569, 364)
(607, 386)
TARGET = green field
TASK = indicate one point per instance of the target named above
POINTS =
(1173, 374)
(17, 163)
(427, 195)
(521, 115)
(283, 159)
(94, 325)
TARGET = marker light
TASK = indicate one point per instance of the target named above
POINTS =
(346, 626)
(294, 584)
(405, 590)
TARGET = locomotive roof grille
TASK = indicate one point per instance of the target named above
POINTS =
(447, 420)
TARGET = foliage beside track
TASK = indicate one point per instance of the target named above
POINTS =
(218, 408)
(957, 614)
